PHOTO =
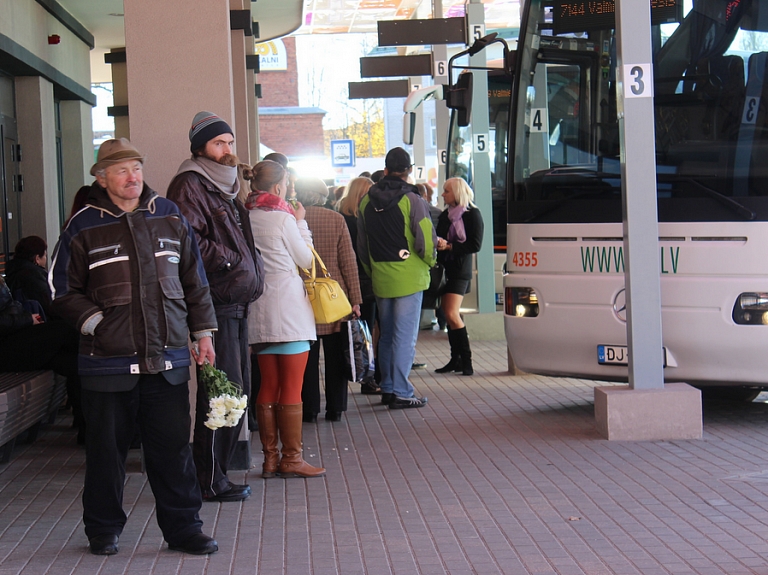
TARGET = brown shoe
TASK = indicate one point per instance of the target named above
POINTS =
(266, 414)
(291, 463)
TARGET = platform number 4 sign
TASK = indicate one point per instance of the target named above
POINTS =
(539, 120)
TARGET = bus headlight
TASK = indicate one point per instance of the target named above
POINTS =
(751, 309)
(521, 302)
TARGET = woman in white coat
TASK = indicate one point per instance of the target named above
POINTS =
(281, 325)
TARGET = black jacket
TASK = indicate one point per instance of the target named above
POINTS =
(31, 281)
(458, 260)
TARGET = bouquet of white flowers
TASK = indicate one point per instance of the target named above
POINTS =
(225, 399)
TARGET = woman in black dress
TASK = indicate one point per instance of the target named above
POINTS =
(460, 234)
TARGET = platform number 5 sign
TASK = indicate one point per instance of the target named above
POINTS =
(481, 143)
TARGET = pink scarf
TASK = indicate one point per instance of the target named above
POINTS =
(268, 202)
(456, 232)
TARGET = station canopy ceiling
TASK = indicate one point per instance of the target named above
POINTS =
(104, 18)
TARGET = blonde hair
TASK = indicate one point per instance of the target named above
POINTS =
(354, 192)
(461, 191)
(264, 175)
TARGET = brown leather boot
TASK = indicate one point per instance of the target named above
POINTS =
(291, 463)
(266, 415)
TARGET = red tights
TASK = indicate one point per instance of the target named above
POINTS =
(282, 377)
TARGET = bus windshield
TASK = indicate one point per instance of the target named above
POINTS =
(710, 116)
(459, 162)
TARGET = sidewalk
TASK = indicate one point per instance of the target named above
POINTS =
(497, 474)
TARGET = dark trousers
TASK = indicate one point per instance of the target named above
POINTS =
(161, 411)
(213, 449)
(335, 375)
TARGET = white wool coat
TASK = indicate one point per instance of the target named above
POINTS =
(283, 312)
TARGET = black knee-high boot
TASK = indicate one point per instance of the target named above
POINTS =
(462, 342)
(455, 362)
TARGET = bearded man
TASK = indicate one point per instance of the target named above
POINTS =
(206, 189)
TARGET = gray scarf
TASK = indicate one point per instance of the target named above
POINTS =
(223, 177)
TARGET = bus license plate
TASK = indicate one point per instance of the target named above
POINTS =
(619, 355)
(612, 355)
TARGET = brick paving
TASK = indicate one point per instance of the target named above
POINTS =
(498, 474)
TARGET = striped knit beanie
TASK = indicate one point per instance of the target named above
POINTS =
(205, 127)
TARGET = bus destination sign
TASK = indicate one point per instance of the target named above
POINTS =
(586, 15)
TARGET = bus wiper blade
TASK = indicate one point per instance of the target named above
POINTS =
(740, 209)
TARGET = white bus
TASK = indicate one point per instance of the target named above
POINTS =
(564, 295)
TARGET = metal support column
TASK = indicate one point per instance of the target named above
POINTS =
(442, 116)
(481, 162)
(419, 154)
(638, 168)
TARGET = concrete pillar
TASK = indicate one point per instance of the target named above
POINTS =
(178, 54)
(240, 75)
(179, 59)
(77, 147)
(36, 127)
(242, 82)
(253, 115)
(120, 95)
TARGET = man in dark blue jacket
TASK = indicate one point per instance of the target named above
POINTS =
(127, 274)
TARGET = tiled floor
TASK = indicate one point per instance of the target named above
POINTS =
(498, 474)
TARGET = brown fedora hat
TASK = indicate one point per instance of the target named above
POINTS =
(114, 152)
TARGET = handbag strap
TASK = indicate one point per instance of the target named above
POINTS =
(323, 269)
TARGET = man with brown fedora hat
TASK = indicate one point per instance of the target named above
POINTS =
(126, 273)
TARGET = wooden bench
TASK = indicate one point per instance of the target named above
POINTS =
(27, 399)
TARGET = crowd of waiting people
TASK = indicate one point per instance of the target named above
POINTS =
(135, 275)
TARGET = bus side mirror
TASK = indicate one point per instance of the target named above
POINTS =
(409, 127)
(459, 97)
(510, 62)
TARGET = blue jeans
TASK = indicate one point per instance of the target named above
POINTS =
(399, 325)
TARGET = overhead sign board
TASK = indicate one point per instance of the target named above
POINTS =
(388, 66)
(379, 89)
(585, 15)
(342, 153)
(422, 32)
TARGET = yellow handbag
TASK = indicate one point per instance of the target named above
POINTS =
(329, 302)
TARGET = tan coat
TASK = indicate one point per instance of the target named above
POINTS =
(334, 246)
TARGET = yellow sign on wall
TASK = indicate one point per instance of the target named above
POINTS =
(272, 56)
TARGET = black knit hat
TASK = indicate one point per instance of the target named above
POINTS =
(205, 127)
(398, 161)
